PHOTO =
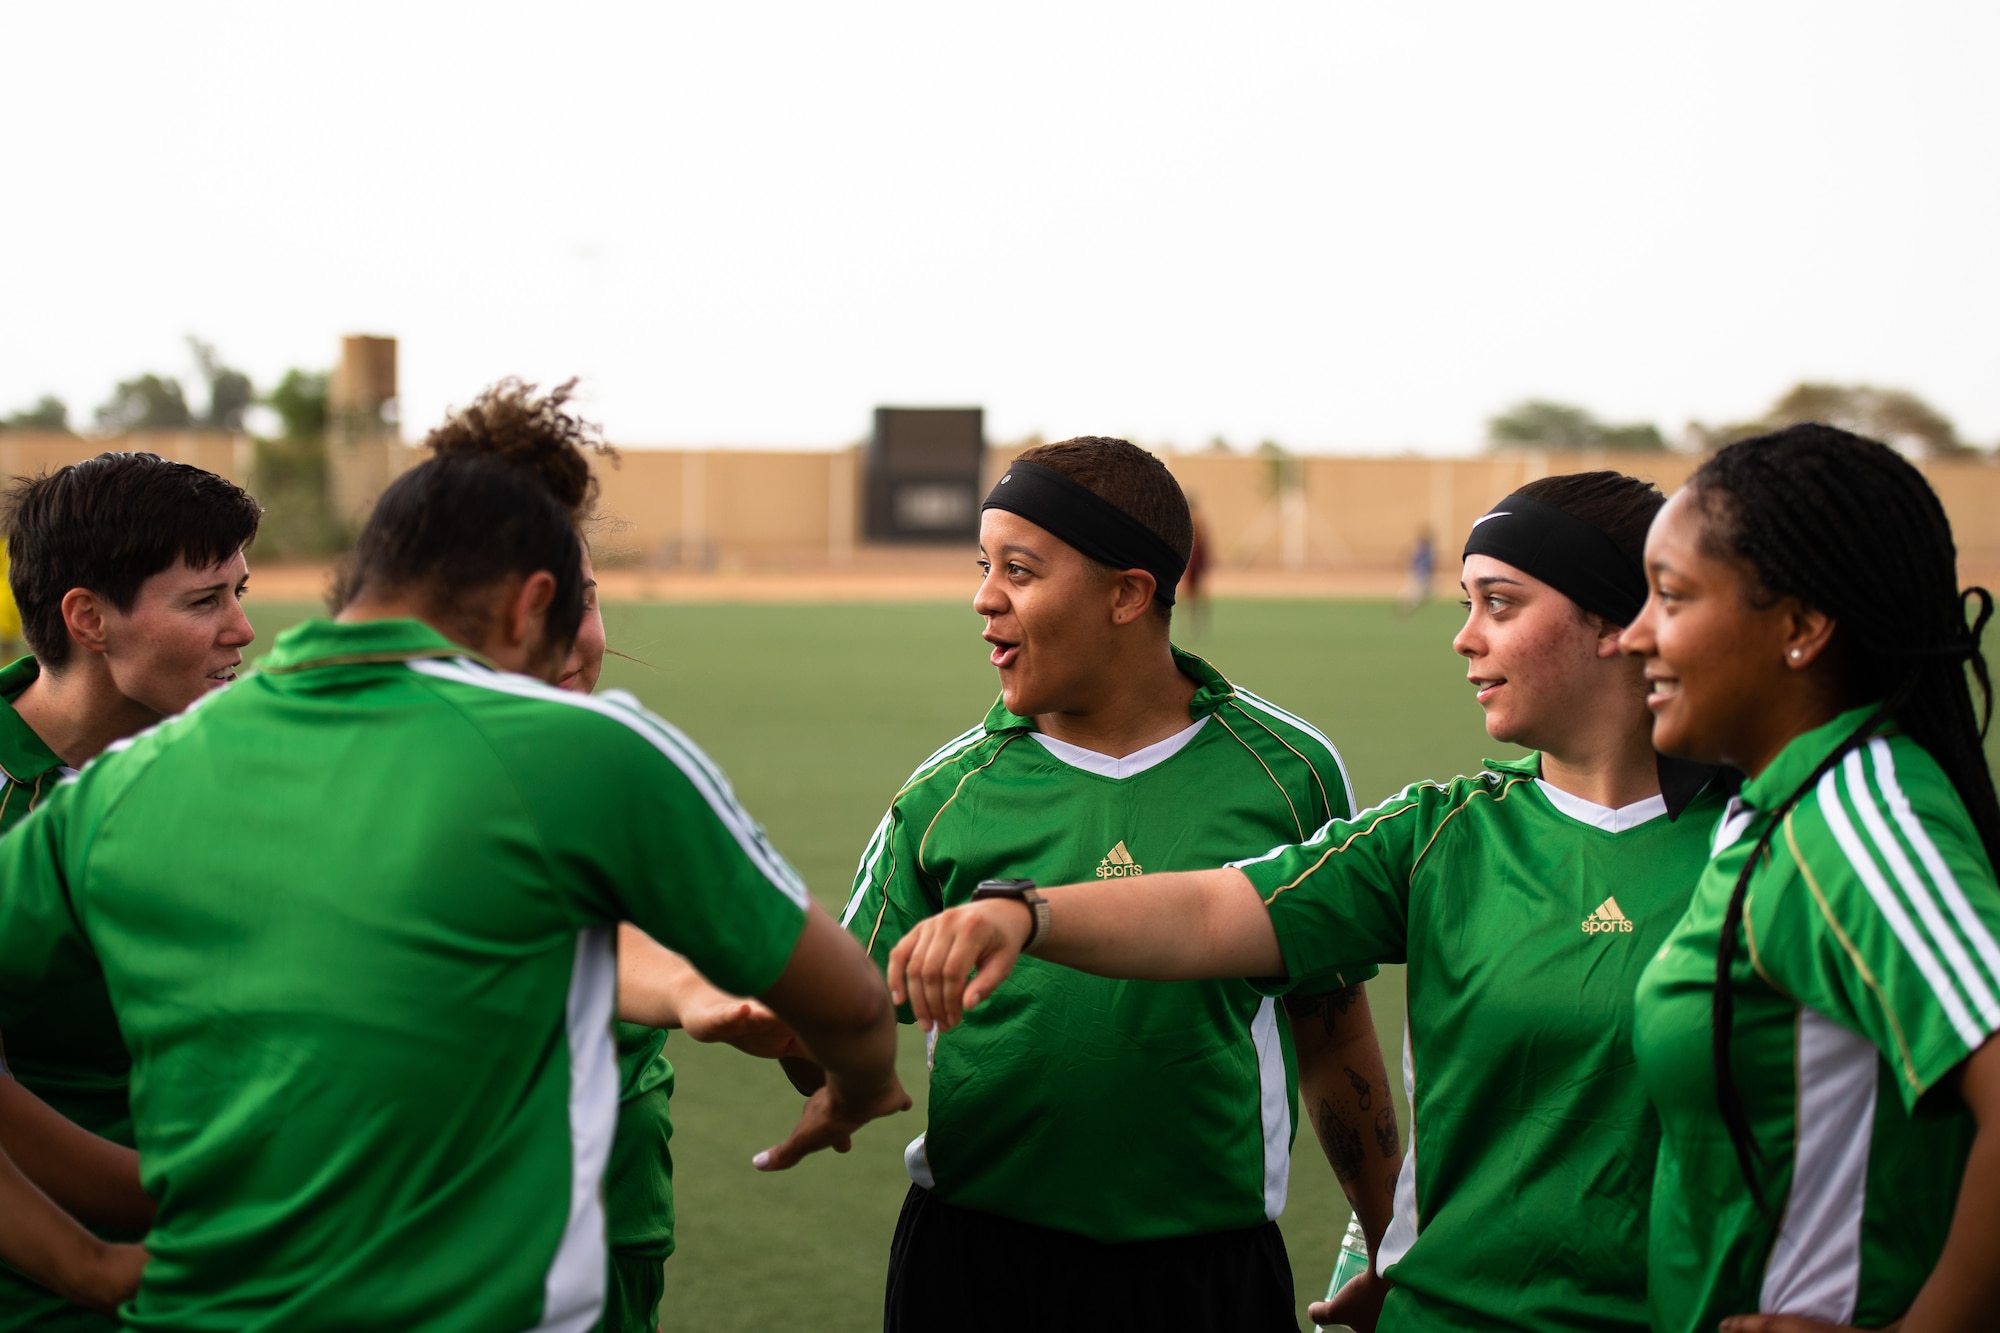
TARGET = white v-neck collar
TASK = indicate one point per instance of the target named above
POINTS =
(1603, 816)
(1107, 766)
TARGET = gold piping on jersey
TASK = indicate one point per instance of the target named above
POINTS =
(1325, 801)
(1267, 773)
(998, 750)
(1508, 785)
(378, 659)
(7, 793)
(1854, 956)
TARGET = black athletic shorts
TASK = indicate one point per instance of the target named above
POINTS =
(954, 1270)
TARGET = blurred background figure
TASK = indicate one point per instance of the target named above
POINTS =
(1423, 563)
(1193, 585)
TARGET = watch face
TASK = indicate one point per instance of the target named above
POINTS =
(1010, 887)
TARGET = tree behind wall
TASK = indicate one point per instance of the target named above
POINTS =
(1540, 424)
(1896, 417)
(50, 414)
(290, 476)
(148, 402)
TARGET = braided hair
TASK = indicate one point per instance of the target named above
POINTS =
(1849, 527)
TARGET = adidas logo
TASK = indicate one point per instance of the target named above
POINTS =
(1606, 920)
(1118, 863)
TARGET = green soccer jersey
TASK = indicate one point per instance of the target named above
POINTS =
(355, 914)
(1120, 1110)
(1866, 972)
(1525, 915)
(66, 1049)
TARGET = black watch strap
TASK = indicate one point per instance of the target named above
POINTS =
(1021, 891)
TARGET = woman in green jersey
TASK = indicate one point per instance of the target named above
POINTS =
(1525, 900)
(1815, 1034)
(657, 988)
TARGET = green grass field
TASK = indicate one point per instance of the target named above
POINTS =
(818, 713)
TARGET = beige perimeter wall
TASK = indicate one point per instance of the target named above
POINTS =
(751, 510)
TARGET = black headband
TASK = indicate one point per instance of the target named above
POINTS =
(1086, 520)
(1576, 559)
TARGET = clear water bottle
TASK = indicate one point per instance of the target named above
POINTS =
(1353, 1260)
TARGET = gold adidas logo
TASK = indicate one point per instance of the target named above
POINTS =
(1607, 920)
(1118, 863)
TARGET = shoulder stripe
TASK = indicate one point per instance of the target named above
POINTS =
(1969, 920)
(1918, 892)
(958, 744)
(1256, 701)
(664, 737)
(878, 842)
(1892, 911)
(864, 873)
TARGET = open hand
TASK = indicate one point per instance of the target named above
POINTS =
(829, 1120)
(929, 966)
(748, 1025)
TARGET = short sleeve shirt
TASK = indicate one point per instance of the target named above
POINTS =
(355, 917)
(1867, 970)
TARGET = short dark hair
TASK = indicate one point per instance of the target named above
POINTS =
(108, 524)
(506, 488)
(1130, 478)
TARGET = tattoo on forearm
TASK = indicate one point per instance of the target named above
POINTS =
(1385, 1133)
(1364, 1091)
(1341, 1140)
(1327, 1006)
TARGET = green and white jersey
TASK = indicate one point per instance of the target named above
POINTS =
(67, 1051)
(1867, 971)
(355, 914)
(1119, 1110)
(28, 768)
(1525, 915)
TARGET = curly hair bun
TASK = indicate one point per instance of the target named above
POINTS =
(540, 434)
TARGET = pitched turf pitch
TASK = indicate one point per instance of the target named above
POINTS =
(818, 713)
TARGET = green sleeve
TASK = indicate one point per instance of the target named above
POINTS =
(1889, 925)
(40, 933)
(644, 827)
(890, 895)
(1340, 900)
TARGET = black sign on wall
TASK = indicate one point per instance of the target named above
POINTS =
(922, 473)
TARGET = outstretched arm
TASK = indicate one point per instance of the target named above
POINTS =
(832, 996)
(661, 989)
(90, 1177)
(1178, 926)
(51, 1247)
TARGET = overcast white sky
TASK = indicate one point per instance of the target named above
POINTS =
(1343, 226)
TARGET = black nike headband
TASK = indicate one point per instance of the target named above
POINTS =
(1086, 520)
(1576, 559)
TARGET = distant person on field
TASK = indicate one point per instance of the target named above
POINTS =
(1423, 566)
(1194, 583)
(356, 915)
(129, 573)
(1100, 1154)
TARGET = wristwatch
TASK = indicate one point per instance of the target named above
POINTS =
(1021, 891)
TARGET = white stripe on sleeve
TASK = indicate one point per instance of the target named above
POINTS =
(1892, 912)
(1947, 884)
(1918, 892)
